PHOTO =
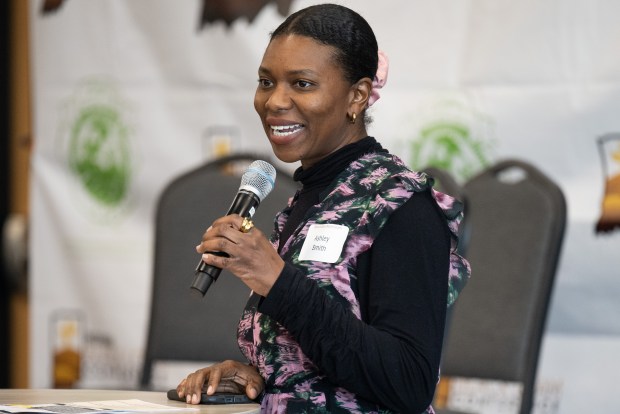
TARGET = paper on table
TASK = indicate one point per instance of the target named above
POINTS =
(94, 407)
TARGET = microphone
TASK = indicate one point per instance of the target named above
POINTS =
(256, 183)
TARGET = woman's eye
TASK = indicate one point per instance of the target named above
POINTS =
(303, 84)
(265, 83)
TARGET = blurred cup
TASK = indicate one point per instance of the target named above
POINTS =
(67, 339)
(609, 148)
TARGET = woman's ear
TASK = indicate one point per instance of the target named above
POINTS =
(360, 95)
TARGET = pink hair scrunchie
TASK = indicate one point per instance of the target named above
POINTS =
(380, 78)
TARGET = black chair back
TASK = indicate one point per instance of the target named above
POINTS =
(517, 217)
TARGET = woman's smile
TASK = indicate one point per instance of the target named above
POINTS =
(283, 131)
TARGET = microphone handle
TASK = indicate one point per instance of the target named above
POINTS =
(244, 204)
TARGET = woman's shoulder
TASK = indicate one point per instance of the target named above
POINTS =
(382, 170)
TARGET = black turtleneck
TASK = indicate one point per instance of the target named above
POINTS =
(391, 356)
(316, 178)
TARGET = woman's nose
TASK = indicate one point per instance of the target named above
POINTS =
(279, 99)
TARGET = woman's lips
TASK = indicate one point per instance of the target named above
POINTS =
(283, 134)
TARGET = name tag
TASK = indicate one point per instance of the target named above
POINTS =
(324, 243)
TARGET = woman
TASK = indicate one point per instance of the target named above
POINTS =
(350, 295)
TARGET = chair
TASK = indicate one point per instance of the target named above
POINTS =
(184, 326)
(518, 217)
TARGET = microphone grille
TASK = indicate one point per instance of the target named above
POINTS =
(259, 178)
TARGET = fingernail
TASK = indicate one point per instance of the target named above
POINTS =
(210, 390)
(205, 257)
(197, 248)
(188, 398)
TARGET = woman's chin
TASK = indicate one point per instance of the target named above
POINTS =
(285, 154)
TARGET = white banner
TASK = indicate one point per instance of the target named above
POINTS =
(130, 93)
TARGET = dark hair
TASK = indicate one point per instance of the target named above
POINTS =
(342, 28)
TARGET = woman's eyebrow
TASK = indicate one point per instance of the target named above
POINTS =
(295, 72)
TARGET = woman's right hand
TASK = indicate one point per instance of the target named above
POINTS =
(228, 376)
(251, 256)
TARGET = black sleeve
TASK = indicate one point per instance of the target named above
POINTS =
(391, 357)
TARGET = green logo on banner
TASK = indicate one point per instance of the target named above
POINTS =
(96, 139)
(99, 153)
(454, 137)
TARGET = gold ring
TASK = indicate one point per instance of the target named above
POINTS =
(246, 225)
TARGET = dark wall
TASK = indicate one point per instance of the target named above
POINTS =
(5, 113)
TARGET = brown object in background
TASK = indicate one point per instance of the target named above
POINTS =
(230, 10)
(19, 177)
(66, 368)
(609, 147)
(50, 6)
(67, 342)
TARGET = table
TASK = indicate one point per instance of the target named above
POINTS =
(44, 396)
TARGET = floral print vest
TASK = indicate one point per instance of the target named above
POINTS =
(362, 202)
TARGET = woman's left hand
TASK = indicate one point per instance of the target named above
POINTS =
(224, 377)
(252, 257)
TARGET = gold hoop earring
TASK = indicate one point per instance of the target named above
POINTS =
(353, 118)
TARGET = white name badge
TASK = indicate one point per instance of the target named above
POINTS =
(324, 243)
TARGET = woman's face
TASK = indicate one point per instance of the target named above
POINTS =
(303, 100)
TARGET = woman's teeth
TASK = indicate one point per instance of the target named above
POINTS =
(284, 130)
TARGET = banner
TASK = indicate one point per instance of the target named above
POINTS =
(130, 94)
